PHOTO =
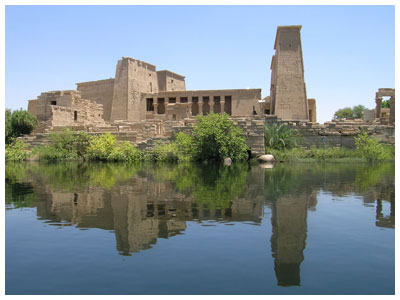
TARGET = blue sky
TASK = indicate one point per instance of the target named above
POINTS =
(349, 51)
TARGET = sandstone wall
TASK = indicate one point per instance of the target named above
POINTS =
(339, 134)
(119, 106)
(100, 91)
(170, 81)
(244, 101)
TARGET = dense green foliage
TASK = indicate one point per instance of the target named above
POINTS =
(348, 112)
(18, 123)
(370, 148)
(279, 137)
(16, 151)
(358, 111)
(105, 148)
(385, 104)
(64, 145)
(344, 113)
(211, 185)
(215, 137)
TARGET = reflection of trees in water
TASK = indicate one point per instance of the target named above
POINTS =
(212, 185)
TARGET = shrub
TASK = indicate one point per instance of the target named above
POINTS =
(279, 137)
(165, 152)
(185, 146)
(216, 137)
(16, 151)
(65, 145)
(370, 148)
(124, 152)
(18, 123)
(100, 147)
(314, 153)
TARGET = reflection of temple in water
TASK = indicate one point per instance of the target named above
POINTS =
(141, 210)
(289, 234)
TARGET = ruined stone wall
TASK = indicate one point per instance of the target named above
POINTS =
(37, 108)
(42, 106)
(339, 134)
(66, 108)
(80, 112)
(100, 91)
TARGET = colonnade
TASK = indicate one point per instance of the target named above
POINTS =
(189, 102)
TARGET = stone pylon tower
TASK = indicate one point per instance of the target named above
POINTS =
(288, 90)
(132, 78)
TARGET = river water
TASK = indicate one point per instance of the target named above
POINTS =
(87, 228)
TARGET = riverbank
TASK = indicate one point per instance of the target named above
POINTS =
(332, 154)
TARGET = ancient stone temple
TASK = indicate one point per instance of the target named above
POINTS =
(139, 92)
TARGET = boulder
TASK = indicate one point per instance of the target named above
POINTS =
(227, 161)
(266, 158)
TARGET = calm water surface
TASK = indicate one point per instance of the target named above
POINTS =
(79, 228)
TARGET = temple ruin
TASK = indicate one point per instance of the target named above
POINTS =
(385, 115)
(141, 104)
(139, 92)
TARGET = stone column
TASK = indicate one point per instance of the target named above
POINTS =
(190, 103)
(211, 102)
(378, 101)
(392, 112)
(155, 105)
(200, 106)
(222, 104)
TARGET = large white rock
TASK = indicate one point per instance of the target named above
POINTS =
(266, 158)
(227, 161)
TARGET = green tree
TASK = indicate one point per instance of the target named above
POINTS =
(386, 104)
(343, 113)
(8, 129)
(358, 111)
(18, 123)
(216, 137)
